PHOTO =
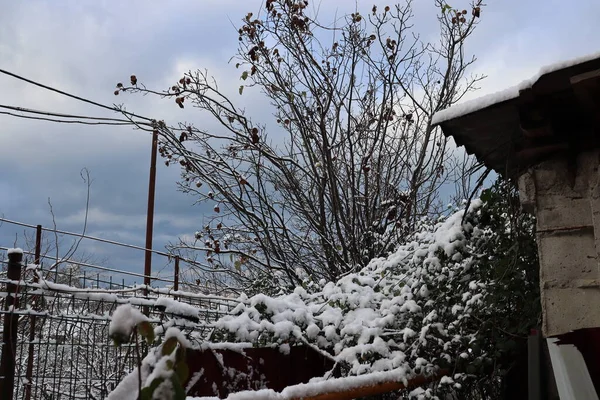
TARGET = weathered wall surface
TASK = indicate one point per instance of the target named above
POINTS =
(566, 202)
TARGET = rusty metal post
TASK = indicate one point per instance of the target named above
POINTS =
(38, 246)
(30, 348)
(150, 214)
(176, 275)
(11, 320)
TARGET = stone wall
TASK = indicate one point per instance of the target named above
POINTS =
(566, 201)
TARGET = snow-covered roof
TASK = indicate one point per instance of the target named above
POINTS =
(482, 102)
(539, 118)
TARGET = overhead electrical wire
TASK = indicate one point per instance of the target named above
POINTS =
(98, 239)
(95, 103)
(63, 121)
(73, 119)
(78, 118)
(54, 114)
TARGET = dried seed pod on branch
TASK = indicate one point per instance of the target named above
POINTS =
(354, 104)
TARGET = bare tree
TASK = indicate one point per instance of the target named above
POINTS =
(361, 161)
(63, 260)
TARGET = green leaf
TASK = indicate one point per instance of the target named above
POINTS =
(237, 65)
(148, 391)
(445, 8)
(179, 392)
(245, 75)
(238, 265)
(241, 89)
(147, 331)
(180, 355)
(119, 339)
(169, 346)
(486, 196)
(183, 371)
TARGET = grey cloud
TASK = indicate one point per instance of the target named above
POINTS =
(87, 47)
(516, 38)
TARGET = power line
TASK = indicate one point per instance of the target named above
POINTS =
(102, 120)
(54, 114)
(132, 246)
(99, 121)
(62, 120)
(98, 239)
(32, 82)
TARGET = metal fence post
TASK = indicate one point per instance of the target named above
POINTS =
(32, 320)
(176, 276)
(11, 320)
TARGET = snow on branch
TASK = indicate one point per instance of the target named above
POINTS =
(383, 317)
(124, 320)
(408, 314)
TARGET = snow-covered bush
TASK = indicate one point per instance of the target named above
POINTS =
(459, 296)
(410, 309)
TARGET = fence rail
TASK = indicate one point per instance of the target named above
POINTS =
(98, 239)
(174, 260)
(56, 271)
(55, 342)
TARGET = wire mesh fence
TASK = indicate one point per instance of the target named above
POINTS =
(61, 347)
(42, 247)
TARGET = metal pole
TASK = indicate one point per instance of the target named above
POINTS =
(32, 319)
(11, 320)
(176, 277)
(38, 246)
(150, 215)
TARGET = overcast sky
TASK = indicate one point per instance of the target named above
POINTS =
(87, 46)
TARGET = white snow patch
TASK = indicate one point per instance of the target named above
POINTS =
(482, 102)
(124, 319)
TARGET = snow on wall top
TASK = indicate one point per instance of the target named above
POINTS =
(316, 388)
(482, 102)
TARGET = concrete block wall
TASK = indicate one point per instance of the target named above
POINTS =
(568, 238)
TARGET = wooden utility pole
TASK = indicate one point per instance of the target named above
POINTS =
(150, 215)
